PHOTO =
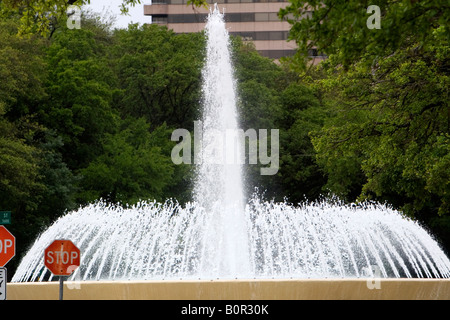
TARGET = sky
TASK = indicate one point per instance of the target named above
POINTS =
(112, 7)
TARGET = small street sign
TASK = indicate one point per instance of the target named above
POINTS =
(5, 217)
(7, 246)
(3, 280)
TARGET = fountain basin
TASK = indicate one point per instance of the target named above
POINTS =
(254, 289)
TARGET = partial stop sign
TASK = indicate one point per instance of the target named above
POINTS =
(62, 257)
(7, 246)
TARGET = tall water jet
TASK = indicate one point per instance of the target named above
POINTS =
(218, 187)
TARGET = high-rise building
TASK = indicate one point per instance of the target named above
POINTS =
(253, 20)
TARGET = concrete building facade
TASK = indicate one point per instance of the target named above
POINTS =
(253, 20)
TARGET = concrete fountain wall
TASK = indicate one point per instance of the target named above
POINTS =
(273, 289)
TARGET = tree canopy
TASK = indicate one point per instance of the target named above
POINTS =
(339, 28)
(387, 94)
(44, 16)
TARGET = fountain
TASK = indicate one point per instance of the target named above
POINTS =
(220, 236)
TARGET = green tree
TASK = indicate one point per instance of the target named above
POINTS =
(159, 74)
(388, 91)
(80, 86)
(301, 113)
(22, 71)
(35, 184)
(44, 16)
(59, 181)
(339, 28)
(19, 169)
(131, 167)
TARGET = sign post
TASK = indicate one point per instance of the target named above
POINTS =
(7, 252)
(62, 257)
(3, 280)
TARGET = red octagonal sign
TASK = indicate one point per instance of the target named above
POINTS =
(7, 246)
(62, 257)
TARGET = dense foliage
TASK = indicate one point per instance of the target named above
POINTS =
(387, 91)
(88, 113)
(45, 16)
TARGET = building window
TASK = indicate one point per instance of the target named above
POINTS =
(246, 36)
(276, 35)
(261, 16)
(273, 16)
(276, 54)
(159, 19)
(230, 17)
(315, 53)
(247, 17)
(262, 35)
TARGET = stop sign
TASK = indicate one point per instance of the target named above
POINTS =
(62, 257)
(7, 246)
